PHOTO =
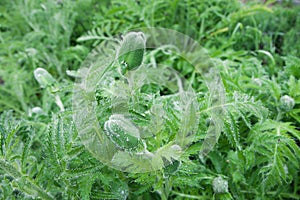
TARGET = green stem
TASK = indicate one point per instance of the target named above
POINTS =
(59, 103)
(188, 196)
(166, 189)
(279, 115)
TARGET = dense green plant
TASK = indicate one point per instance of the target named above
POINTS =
(255, 47)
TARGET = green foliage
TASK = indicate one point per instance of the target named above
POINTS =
(254, 46)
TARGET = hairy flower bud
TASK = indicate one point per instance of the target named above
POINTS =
(287, 103)
(45, 79)
(172, 167)
(131, 52)
(220, 185)
(122, 132)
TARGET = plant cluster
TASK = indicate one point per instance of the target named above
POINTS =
(243, 147)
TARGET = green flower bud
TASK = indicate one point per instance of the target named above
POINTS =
(172, 168)
(287, 103)
(220, 185)
(37, 110)
(43, 77)
(122, 132)
(131, 53)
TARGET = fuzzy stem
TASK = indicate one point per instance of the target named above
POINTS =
(59, 103)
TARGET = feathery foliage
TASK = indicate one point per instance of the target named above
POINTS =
(252, 134)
